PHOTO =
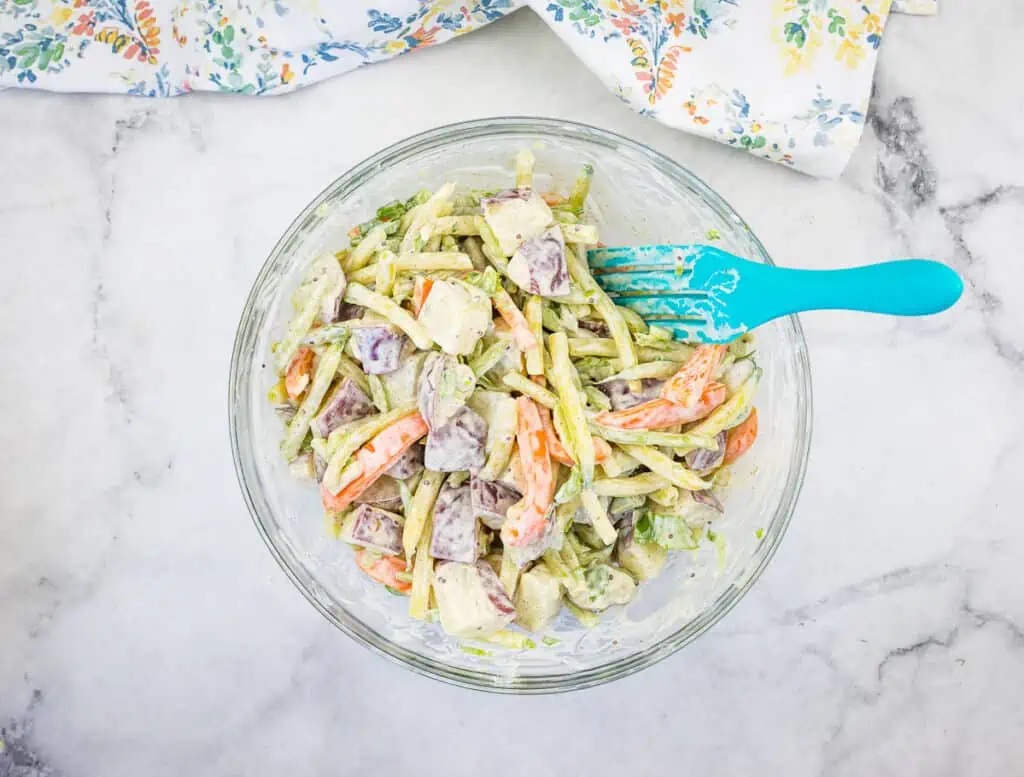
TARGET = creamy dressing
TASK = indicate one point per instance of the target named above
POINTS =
(516, 215)
(618, 625)
(456, 316)
(538, 599)
(605, 585)
(466, 608)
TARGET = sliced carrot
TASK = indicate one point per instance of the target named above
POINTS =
(686, 386)
(602, 450)
(555, 447)
(553, 198)
(533, 449)
(420, 293)
(299, 372)
(375, 458)
(525, 522)
(383, 569)
(659, 413)
(516, 321)
(739, 439)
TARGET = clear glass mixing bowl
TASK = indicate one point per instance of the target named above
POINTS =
(638, 196)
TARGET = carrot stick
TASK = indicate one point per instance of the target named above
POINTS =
(420, 293)
(525, 521)
(739, 439)
(299, 372)
(555, 447)
(374, 458)
(686, 386)
(516, 321)
(383, 569)
(659, 413)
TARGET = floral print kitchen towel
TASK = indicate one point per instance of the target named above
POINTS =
(787, 80)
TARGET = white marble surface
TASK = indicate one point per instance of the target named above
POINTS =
(145, 630)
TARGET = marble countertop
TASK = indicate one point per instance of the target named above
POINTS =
(145, 630)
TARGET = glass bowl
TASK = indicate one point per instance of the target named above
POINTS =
(638, 196)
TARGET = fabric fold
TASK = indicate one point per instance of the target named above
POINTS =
(786, 80)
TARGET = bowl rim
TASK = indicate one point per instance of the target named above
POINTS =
(503, 682)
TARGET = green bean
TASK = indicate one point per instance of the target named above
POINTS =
(362, 254)
(581, 188)
(567, 383)
(732, 411)
(360, 295)
(686, 442)
(524, 385)
(298, 427)
(638, 485)
(671, 470)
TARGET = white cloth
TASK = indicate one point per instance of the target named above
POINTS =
(787, 80)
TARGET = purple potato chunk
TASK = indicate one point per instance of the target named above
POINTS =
(458, 445)
(539, 265)
(409, 464)
(349, 311)
(377, 529)
(384, 493)
(707, 497)
(625, 510)
(471, 599)
(702, 460)
(379, 348)
(331, 307)
(346, 403)
(491, 501)
(508, 195)
(599, 328)
(445, 384)
(455, 535)
(426, 391)
(495, 590)
(622, 398)
(319, 466)
(625, 518)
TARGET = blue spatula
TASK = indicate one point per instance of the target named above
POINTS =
(707, 295)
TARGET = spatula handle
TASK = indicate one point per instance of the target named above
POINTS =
(907, 287)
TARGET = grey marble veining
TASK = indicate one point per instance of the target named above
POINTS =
(145, 630)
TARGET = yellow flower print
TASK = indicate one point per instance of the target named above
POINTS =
(850, 54)
(60, 16)
(847, 28)
(798, 34)
(395, 46)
